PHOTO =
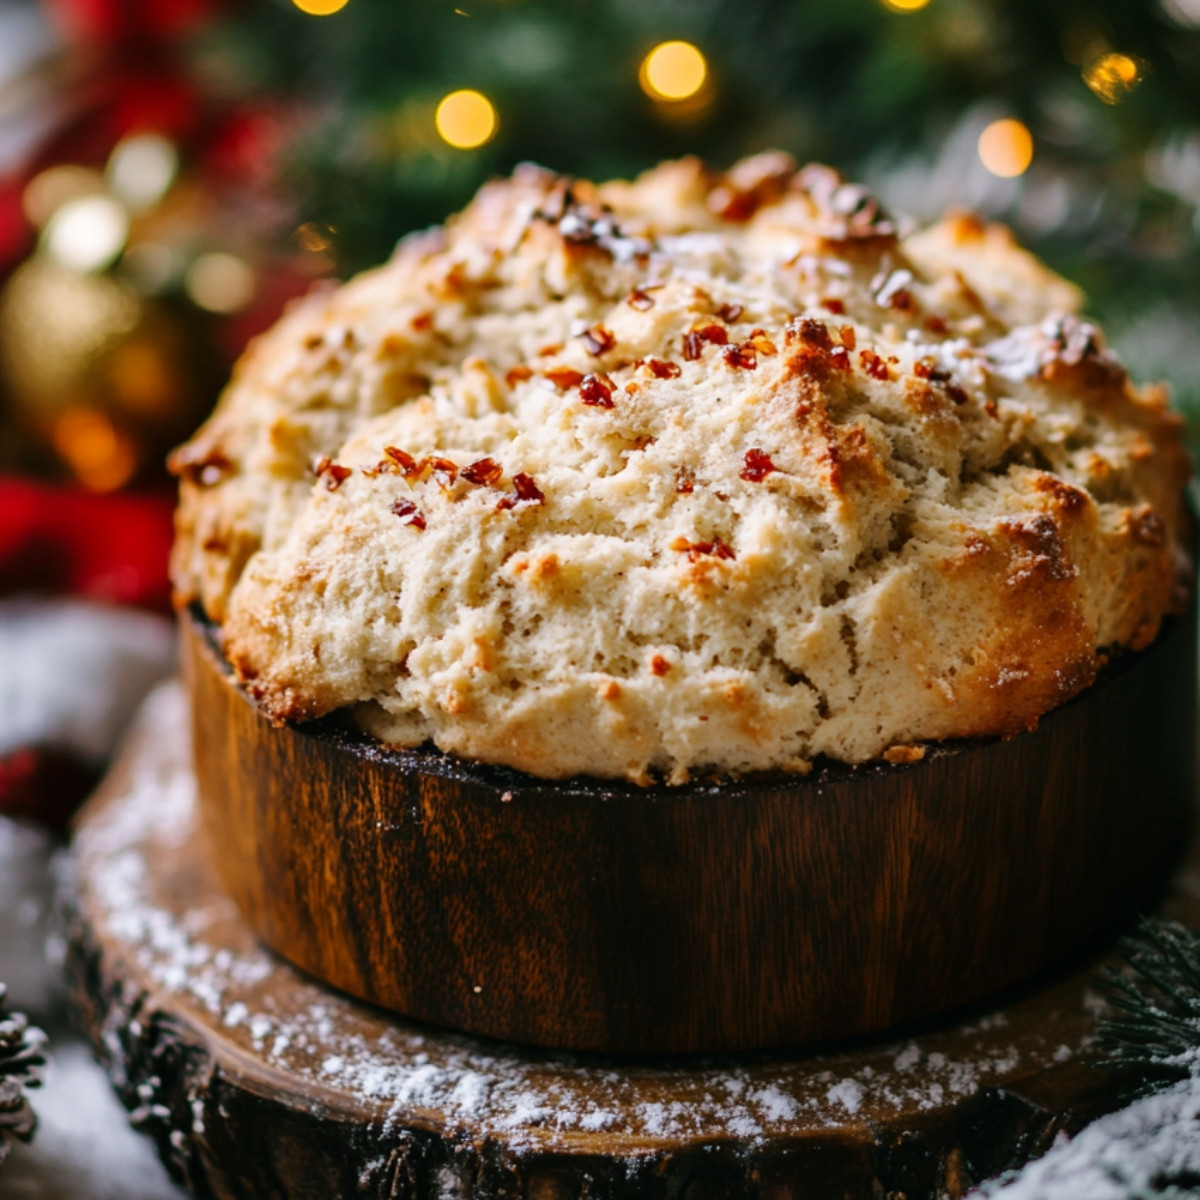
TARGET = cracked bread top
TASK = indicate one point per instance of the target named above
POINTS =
(698, 472)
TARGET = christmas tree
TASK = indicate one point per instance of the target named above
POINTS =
(306, 136)
(1080, 126)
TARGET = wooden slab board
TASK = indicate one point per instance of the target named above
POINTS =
(259, 1083)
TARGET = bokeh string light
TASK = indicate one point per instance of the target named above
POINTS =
(466, 119)
(87, 234)
(1113, 76)
(673, 71)
(904, 6)
(320, 8)
(220, 283)
(1006, 148)
(315, 237)
(100, 455)
(141, 170)
(50, 189)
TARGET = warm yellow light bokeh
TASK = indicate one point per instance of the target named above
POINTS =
(86, 234)
(220, 283)
(466, 119)
(99, 455)
(673, 71)
(1006, 148)
(141, 169)
(1111, 76)
(905, 5)
(49, 190)
(315, 237)
(320, 8)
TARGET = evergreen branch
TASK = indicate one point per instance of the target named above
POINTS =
(1156, 996)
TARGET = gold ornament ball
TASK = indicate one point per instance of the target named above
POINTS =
(106, 379)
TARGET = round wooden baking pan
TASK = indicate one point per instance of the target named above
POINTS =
(767, 912)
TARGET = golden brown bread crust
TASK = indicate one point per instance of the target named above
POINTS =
(699, 471)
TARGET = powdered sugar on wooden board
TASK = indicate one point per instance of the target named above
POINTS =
(201, 955)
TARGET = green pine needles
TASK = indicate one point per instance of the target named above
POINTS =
(1149, 1149)
(1156, 1001)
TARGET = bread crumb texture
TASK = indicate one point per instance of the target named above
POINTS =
(701, 472)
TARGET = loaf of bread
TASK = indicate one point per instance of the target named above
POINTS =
(698, 473)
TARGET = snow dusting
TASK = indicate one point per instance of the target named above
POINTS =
(72, 673)
(1139, 1151)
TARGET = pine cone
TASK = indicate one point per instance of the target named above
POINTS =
(20, 1061)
